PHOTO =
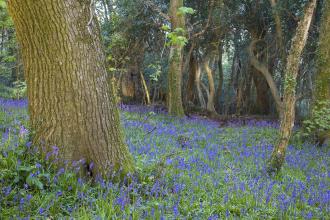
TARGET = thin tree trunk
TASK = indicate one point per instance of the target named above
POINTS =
(106, 12)
(71, 105)
(145, 87)
(279, 31)
(175, 106)
(211, 94)
(220, 85)
(198, 87)
(289, 99)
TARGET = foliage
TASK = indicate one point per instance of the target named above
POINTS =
(176, 37)
(185, 11)
(156, 72)
(319, 123)
(17, 91)
(217, 173)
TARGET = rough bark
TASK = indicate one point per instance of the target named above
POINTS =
(322, 82)
(289, 99)
(71, 105)
(175, 106)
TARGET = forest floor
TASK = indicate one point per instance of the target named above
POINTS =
(190, 168)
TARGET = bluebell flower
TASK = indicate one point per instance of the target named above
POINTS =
(41, 211)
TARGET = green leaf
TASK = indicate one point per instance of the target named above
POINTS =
(186, 10)
(3, 4)
(166, 28)
(33, 181)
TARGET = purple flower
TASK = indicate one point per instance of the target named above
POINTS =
(176, 210)
(41, 211)
(28, 197)
(7, 190)
(227, 213)
(38, 165)
(58, 194)
(23, 131)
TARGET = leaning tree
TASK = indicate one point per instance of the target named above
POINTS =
(287, 114)
(71, 104)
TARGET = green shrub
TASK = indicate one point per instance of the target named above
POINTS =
(316, 127)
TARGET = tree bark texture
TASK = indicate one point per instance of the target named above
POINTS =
(71, 105)
(289, 99)
(175, 106)
(322, 82)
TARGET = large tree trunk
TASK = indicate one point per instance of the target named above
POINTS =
(71, 105)
(175, 106)
(289, 99)
(262, 104)
(266, 74)
(322, 82)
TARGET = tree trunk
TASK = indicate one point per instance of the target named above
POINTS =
(322, 82)
(289, 99)
(145, 89)
(131, 86)
(263, 69)
(175, 106)
(211, 94)
(191, 79)
(262, 105)
(198, 87)
(71, 105)
(220, 86)
(106, 12)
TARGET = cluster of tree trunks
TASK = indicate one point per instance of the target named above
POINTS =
(73, 107)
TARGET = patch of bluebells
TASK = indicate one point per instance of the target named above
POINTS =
(218, 173)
